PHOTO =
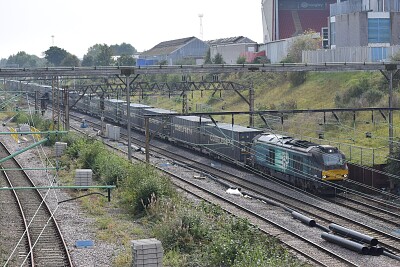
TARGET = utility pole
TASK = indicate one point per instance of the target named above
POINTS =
(251, 105)
(392, 71)
(127, 73)
(391, 113)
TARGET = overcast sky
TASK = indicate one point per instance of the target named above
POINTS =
(28, 25)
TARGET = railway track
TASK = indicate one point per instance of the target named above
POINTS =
(304, 246)
(307, 203)
(388, 221)
(239, 181)
(32, 236)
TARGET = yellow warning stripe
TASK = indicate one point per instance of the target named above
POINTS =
(14, 136)
(35, 136)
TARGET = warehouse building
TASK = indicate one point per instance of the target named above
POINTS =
(234, 47)
(190, 50)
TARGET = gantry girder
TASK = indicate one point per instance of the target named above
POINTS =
(189, 69)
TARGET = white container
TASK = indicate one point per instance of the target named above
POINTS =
(60, 148)
(83, 177)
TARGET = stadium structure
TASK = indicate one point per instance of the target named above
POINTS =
(287, 18)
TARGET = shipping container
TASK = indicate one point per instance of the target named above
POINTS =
(230, 141)
(161, 123)
(189, 129)
(113, 109)
(137, 120)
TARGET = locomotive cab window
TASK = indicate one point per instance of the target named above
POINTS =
(332, 159)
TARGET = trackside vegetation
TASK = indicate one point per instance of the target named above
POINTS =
(192, 234)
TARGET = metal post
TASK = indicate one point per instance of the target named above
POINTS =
(251, 105)
(53, 110)
(58, 103)
(146, 122)
(36, 102)
(66, 106)
(128, 112)
(391, 113)
(373, 157)
(184, 102)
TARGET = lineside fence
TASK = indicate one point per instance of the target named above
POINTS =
(351, 54)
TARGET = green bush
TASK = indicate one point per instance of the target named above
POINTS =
(373, 96)
(75, 147)
(142, 186)
(360, 93)
(297, 78)
(241, 60)
(111, 167)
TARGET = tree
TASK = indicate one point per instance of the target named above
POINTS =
(126, 60)
(3, 62)
(218, 59)
(87, 61)
(55, 55)
(98, 55)
(104, 57)
(207, 59)
(241, 60)
(70, 61)
(307, 41)
(123, 49)
(261, 60)
(24, 60)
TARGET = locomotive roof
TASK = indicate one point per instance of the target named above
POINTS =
(234, 127)
(286, 141)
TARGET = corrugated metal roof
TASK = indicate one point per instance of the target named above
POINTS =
(167, 47)
(194, 118)
(149, 111)
(234, 127)
(138, 105)
(230, 40)
(112, 100)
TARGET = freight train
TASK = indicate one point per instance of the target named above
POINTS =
(316, 168)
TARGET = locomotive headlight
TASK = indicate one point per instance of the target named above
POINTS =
(324, 176)
(345, 175)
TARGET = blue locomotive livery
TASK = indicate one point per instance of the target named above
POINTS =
(305, 164)
(316, 168)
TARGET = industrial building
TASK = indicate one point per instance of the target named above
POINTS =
(351, 30)
(190, 50)
(234, 47)
(361, 31)
(365, 23)
(284, 19)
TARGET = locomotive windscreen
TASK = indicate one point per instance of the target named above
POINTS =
(332, 159)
